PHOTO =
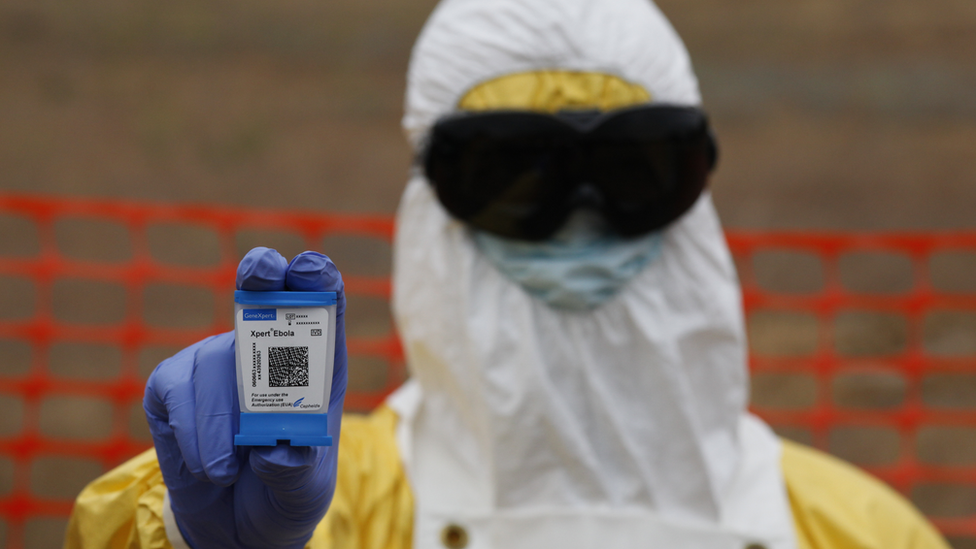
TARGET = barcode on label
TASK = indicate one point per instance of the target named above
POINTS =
(288, 366)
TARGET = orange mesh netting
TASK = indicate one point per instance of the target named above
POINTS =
(872, 373)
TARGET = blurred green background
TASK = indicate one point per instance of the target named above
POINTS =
(850, 115)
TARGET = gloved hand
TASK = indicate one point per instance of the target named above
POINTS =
(224, 496)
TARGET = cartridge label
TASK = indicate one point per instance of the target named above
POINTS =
(282, 358)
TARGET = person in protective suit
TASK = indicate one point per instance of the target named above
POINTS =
(572, 325)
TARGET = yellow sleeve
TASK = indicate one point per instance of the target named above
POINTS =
(122, 509)
(373, 503)
(372, 507)
(837, 506)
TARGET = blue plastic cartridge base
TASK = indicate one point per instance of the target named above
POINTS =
(296, 429)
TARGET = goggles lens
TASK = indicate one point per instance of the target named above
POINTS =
(520, 174)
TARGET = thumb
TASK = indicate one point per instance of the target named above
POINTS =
(297, 476)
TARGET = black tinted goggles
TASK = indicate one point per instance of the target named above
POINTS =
(521, 174)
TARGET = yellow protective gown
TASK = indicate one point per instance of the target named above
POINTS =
(835, 505)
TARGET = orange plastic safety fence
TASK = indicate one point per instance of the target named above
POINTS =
(913, 361)
(44, 328)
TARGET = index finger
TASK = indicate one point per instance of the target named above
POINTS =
(262, 270)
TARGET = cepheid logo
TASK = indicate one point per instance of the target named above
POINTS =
(298, 402)
(260, 314)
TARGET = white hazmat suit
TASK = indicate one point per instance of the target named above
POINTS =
(621, 426)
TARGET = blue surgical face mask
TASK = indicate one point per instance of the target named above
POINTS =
(580, 267)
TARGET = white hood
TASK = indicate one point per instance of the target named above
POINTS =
(527, 425)
(466, 42)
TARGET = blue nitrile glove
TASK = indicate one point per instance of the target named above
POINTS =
(224, 496)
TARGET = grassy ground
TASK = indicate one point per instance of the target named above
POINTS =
(831, 115)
